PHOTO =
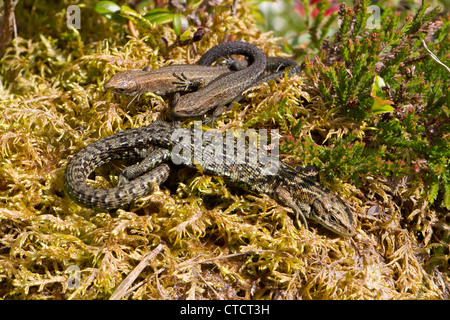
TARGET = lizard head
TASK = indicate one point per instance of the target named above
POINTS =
(332, 213)
(124, 82)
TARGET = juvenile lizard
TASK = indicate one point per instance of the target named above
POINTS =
(165, 80)
(275, 68)
(154, 144)
(226, 88)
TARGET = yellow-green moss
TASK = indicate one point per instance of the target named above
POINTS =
(218, 242)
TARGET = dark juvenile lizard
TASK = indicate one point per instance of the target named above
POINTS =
(275, 68)
(226, 88)
(156, 143)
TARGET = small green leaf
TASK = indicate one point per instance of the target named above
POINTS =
(180, 25)
(159, 16)
(186, 35)
(194, 3)
(109, 10)
(126, 9)
(380, 105)
(378, 84)
(105, 7)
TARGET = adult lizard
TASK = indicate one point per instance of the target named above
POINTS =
(154, 145)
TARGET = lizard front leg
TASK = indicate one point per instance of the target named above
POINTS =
(286, 199)
(186, 84)
(152, 158)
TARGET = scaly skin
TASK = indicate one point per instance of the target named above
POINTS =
(215, 87)
(154, 143)
(226, 88)
(164, 80)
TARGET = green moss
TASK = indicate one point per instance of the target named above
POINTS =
(218, 242)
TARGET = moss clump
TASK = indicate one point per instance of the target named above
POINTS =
(198, 237)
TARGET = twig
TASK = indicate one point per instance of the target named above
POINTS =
(189, 263)
(209, 286)
(434, 57)
(126, 283)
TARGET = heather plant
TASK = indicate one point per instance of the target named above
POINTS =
(388, 140)
(395, 94)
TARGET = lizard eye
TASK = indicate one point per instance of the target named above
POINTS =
(332, 219)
